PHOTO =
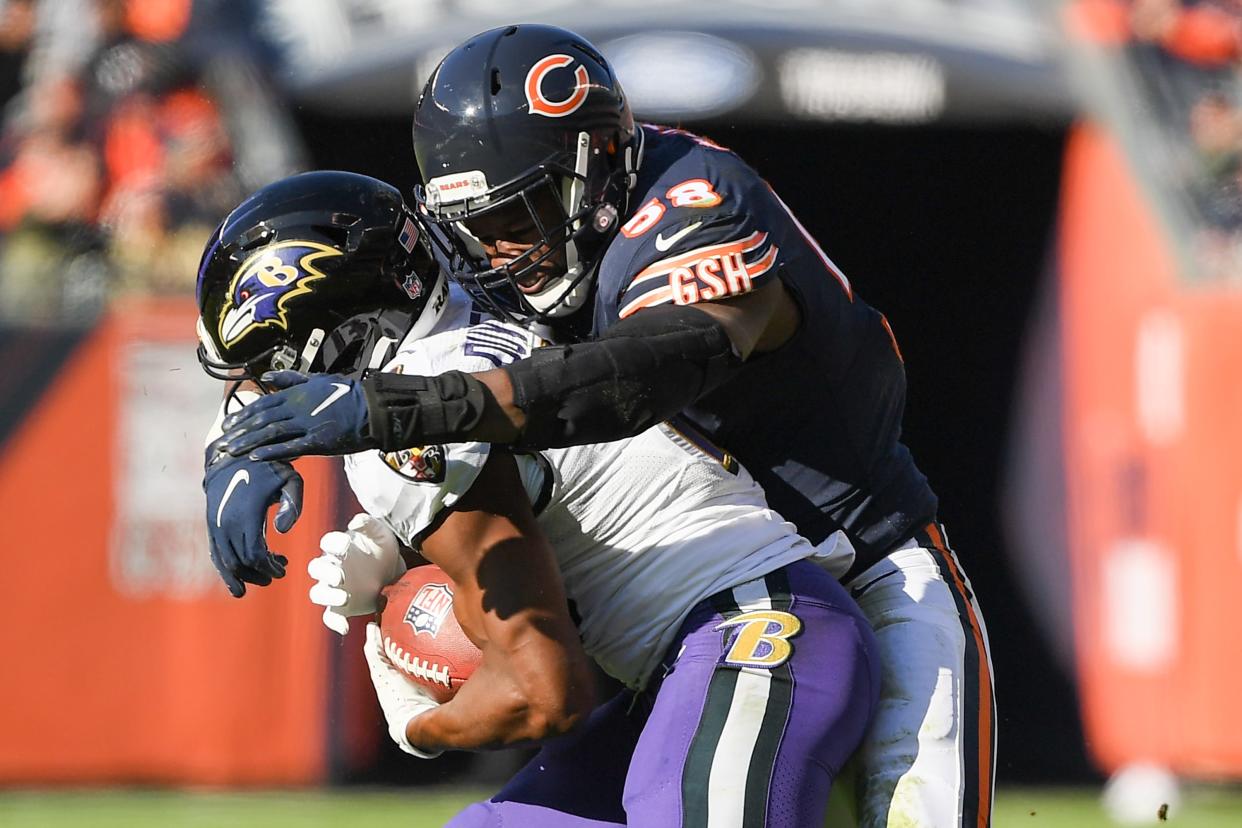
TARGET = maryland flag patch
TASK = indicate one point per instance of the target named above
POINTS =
(422, 465)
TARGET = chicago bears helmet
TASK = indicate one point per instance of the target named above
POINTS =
(313, 272)
(523, 133)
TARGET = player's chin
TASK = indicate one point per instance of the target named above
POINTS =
(536, 282)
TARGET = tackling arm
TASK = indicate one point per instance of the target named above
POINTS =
(645, 369)
(642, 371)
(534, 680)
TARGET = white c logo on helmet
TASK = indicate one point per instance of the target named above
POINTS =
(539, 103)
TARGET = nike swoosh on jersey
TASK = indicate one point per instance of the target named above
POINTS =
(341, 390)
(662, 244)
(239, 477)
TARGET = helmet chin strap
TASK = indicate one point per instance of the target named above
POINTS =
(205, 340)
(381, 353)
(634, 159)
(564, 296)
(313, 343)
(582, 163)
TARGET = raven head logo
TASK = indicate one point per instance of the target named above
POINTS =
(264, 284)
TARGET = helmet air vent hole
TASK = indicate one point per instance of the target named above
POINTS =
(253, 237)
(512, 30)
(334, 233)
(495, 81)
(345, 219)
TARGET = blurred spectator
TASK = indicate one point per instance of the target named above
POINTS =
(172, 171)
(1216, 184)
(1208, 33)
(1204, 32)
(1216, 134)
(117, 160)
(1183, 81)
(49, 194)
(17, 25)
(55, 183)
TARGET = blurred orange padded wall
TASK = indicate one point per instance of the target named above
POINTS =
(126, 659)
(1154, 463)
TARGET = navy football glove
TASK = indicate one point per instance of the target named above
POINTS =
(316, 414)
(239, 492)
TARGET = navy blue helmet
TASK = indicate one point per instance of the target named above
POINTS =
(523, 133)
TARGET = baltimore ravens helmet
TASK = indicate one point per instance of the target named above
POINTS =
(527, 127)
(314, 272)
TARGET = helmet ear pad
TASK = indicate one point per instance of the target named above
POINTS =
(299, 259)
(363, 342)
(545, 114)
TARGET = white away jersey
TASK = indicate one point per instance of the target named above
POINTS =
(643, 528)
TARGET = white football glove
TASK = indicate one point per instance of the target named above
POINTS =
(400, 699)
(355, 565)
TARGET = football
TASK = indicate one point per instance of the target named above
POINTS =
(421, 635)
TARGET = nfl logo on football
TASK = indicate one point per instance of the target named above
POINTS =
(428, 608)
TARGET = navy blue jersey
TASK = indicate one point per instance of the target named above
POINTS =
(818, 421)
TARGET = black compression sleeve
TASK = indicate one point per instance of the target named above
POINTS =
(645, 369)
(416, 411)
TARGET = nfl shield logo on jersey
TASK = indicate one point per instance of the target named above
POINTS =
(428, 608)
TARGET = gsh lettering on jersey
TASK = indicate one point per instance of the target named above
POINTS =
(703, 274)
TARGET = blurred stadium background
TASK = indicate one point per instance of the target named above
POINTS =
(1044, 197)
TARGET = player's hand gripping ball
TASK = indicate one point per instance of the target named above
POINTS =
(421, 635)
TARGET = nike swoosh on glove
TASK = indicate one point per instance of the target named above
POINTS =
(239, 491)
(355, 565)
(400, 700)
(304, 414)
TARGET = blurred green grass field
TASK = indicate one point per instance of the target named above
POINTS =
(421, 808)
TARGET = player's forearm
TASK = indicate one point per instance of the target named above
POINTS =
(534, 680)
(453, 407)
(646, 369)
(501, 706)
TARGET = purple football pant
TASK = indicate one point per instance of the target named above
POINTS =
(766, 691)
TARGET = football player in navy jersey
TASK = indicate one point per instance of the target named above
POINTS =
(678, 282)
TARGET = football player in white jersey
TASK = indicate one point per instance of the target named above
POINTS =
(750, 673)
(678, 282)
